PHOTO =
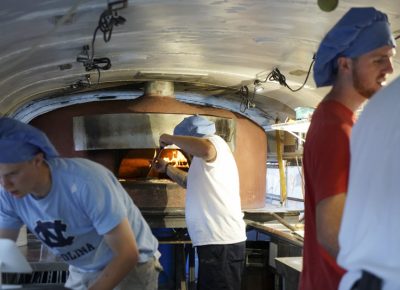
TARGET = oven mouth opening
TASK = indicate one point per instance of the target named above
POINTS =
(136, 164)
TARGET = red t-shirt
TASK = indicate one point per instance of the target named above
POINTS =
(326, 162)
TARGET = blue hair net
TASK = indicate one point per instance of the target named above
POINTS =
(20, 142)
(359, 31)
(196, 126)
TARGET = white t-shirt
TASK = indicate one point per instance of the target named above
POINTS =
(370, 230)
(213, 209)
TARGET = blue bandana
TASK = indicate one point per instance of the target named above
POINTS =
(20, 142)
(359, 31)
(196, 126)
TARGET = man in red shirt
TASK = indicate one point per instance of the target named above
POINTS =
(354, 58)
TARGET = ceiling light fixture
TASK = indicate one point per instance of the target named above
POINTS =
(258, 86)
(81, 84)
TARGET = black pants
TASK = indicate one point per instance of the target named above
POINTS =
(220, 266)
(368, 281)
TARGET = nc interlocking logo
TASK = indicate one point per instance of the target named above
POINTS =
(52, 233)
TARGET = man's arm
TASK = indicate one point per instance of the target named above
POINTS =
(176, 174)
(122, 242)
(199, 147)
(11, 234)
(328, 218)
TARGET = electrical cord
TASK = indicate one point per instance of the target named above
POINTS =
(246, 101)
(108, 19)
(103, 63)
(277, 76)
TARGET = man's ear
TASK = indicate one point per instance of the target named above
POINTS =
(344, 64)
(38, 159)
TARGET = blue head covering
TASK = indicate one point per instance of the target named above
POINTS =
(20, 142)
(359, 31)
(196, 126)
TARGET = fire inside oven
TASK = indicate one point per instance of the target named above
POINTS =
(148, 188)
(137, 163)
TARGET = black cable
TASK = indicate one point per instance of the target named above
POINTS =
(277, 76)
(246, 101)
(106, 24)
(108, 19)
(103, 63)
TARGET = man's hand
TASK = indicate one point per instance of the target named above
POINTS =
(176, 174)
(122, 242)
(160, 165)
(165, 140)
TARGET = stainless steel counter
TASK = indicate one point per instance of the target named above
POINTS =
(283, 225)
(285, 235)
(290, 269)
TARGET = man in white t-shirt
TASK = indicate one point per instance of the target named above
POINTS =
(369, 236)
(213, 211)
